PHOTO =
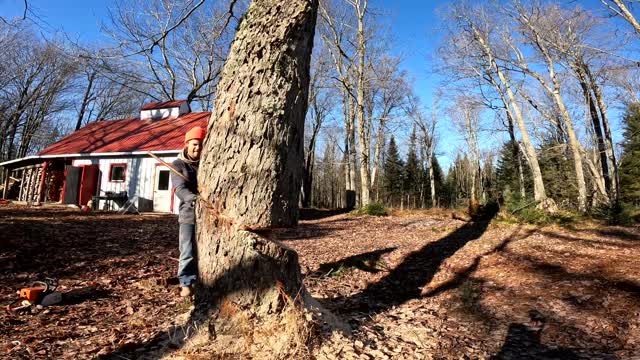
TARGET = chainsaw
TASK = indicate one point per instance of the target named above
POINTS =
(39, 293)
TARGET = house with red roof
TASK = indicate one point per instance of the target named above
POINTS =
(108, 164)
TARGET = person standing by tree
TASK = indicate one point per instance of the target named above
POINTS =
(186, 188)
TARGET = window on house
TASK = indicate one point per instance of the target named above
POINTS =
(118, 172)
(163, 180)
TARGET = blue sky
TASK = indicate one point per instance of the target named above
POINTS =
(413, 25)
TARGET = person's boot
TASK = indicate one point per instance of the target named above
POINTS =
(185, 291)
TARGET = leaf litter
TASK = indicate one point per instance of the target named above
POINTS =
(417, 285)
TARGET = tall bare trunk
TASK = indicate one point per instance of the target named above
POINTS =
(432, 178)
(352, 146)
(365, 176)
(575, 146)
(251, 166)
(597, 128)
(554, 91)
(86, 99)
(607, 131)
(347, 139)
(377, 156)
(539, 193)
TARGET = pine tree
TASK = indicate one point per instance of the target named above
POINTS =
(458, 182)
(412, 173)
(440, 184)
(630, 162)
(558, 173)
(507, 177)
(438, 177)
(393, 173)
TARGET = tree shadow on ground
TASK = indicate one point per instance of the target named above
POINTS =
(318, 214)
(204, 316)
(79, 247)
(308, 231)
(464, 275)
(578, 291)
(406, 281)
(617, 233)
(368, 262)
(559, 273)
(523, 342)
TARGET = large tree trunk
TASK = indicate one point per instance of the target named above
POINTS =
(251, 167)
(432, 179)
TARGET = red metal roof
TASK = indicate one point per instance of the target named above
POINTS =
(129, 135)
(162, 104)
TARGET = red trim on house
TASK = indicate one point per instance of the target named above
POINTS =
(124, 174)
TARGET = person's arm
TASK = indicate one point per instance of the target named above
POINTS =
(180, 184)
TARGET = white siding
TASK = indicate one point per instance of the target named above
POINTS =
(139, 180)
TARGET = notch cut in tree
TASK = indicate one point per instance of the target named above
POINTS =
(251, 166)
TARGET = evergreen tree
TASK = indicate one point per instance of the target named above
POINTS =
(393, 173)
(558, 173)
(487, 180)
(438, 177)
(458, 182)
(440, 184)
(412, 171)
(630, 161)
(507, 177)
(448, 198)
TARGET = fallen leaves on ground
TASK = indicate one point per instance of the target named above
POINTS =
(420, 285)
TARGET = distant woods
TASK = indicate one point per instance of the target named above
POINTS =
(532, 94)
(536, 101)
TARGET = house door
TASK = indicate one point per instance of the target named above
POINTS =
(89, 183)
(71, 186)
(162, 190)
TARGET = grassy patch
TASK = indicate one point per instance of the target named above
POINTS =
(373, 209)
(614, 214)
(535, 216)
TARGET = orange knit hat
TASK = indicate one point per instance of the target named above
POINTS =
(197, 133)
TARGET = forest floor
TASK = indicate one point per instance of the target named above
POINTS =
(415, 285)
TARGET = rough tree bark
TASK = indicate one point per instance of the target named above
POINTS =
(251, 166)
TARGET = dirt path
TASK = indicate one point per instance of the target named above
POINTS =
(418, 286)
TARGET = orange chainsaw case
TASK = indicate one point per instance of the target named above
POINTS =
(31, 293)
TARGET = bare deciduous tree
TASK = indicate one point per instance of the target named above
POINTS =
(175, 48)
